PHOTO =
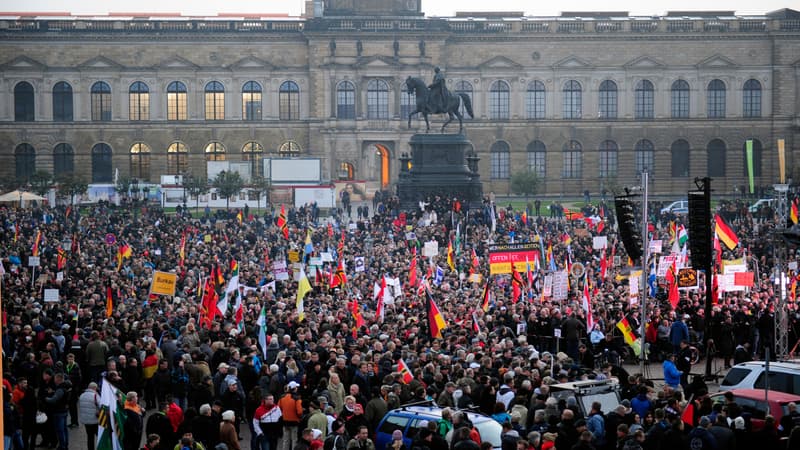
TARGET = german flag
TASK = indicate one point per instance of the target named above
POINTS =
(405, 372)
(182, 249)
(450, 258)
(61, 259)
(725, 233)
(794, 214)
(487, 295)
(283, 223)
(630, 338)
(36, 242)
(240, 217)
(436, 321)
(525, 218)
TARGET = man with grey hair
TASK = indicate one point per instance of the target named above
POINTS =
(88, 410)
(204, 428)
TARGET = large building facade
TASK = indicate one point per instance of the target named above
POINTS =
(587, 100)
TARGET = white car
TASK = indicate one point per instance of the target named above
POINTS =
(677, 207)
(761, 202)
(783, 377)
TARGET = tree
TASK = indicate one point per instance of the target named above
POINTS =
(123, 185)
(228, 184)
(195, 187)
(70, 185)
(525, 183)
(259, 185)
(41, 182)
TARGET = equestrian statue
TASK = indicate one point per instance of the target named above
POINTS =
(437, 99)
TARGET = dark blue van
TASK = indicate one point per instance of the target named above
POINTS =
(407, 420)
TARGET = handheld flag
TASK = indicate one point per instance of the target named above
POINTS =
(303, 288)
(412, 269)
(36, 242)
(516, 284)
(262, 330)
(630, 338)
(240, 217)
(487, 294)
(208, 305)
(450, 260)
(111, 418)
(587, 303)
(672, 285)
(794, 214)
(402, 367)
(109, 301)
(725, 233)
(61, 259)
(283, 223)
(436, 321)
(182, 250)
(379, 307)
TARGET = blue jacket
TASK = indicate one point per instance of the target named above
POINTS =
(596, 424)
(672, 376)
(641, 404)
(678, 332)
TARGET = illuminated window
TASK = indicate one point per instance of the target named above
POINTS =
(215, 151)
(253, 152)
(289, 148)
(140, 161)
(177, 108)
(251, 101)
(177, 158)
(215, 101)
(139, 101)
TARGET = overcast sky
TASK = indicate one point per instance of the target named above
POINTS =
(429, 7)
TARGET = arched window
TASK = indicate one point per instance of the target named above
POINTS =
(537, 158)
(609, 152)
(215, 151)
(215, 101)
(573, 99)
(346, 100)
(645, 156)
(140, 161)
(289, 101)
(679, 153)
(346, 171)
(716, 99)
(62, 102)
(573, 160)
(501, 160)
(751, 98)
(716, 158)
(63, 160)
(758, 149)
(101, 163)
(25, 161)
(535, 100)
(377, 99)
(177, 158)
(499, 94)
(101, 102)
(251, 101)
(679, 96)
(253, 151)
(608, 100)
(464, 87)
(139, 101)
(177, 107)
(23, 102)
(289, 148)
(645, 98)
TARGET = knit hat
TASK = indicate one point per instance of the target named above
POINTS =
(228, 415)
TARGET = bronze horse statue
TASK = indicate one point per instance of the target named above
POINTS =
(452, 104)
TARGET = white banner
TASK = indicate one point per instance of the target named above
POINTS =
(599, 242)
(548, 286)
(430, 249)
(634, 288)
(726, 283)
(279, 271)
(51, 295)
(663, 265)
(359, 263)
(560, 285)
(656, 246)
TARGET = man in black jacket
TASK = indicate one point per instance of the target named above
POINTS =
(58, 399)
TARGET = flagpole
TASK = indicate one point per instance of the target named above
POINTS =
(645, 258)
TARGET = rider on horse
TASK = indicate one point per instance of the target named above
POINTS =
(438, 95)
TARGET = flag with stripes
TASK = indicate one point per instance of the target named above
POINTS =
(111, 419)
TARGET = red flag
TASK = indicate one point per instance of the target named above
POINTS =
(475, 261)
(516, 284)
(182, 250)
(76, 244)
(601, 226)
(688, 414)
(340, 247)
(357, 316)
(603, 265)
(714, 290)
(209, 304)
(587, 304)
(718, 251)
(672, 285)
(412, 269)
(475, 327)
(283, 223)
(402, 367)
(339, 277)
(330, 230)
(109, 301)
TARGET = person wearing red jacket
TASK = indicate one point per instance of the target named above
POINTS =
(174, 413)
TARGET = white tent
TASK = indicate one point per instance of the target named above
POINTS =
(19, 196)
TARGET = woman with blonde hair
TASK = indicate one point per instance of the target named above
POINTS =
(336, 392)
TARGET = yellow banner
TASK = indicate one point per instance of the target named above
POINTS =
(163, 283)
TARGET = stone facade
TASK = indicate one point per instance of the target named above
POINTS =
(499, 57)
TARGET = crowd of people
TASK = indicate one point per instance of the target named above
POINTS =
(329, 373)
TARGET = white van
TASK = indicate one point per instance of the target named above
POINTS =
(783, 377)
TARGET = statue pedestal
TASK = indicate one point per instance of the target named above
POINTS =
(443, 165)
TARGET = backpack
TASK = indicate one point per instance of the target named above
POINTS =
(330, 442)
